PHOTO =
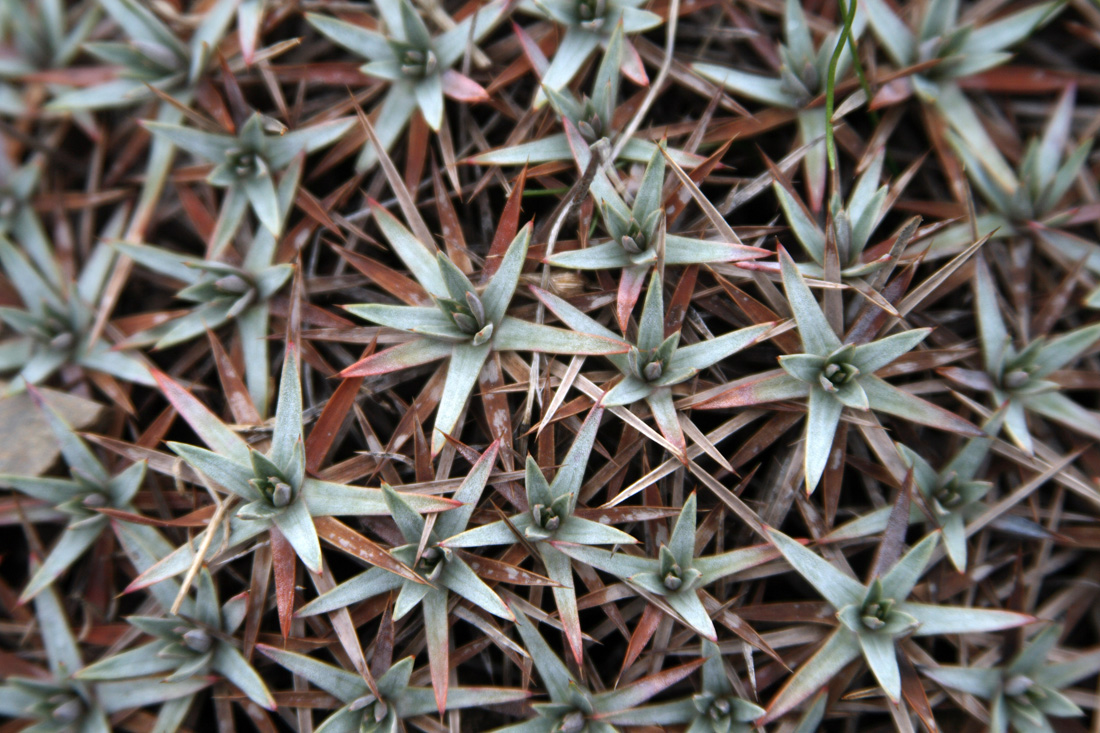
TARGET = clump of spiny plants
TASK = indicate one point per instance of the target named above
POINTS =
(549, 366)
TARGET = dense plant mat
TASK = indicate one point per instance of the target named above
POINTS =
(549, 366)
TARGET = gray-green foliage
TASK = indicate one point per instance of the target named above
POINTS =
(438, 569)
(675, 577)
(832, 375)
(54, 329)
(872, 617)
(57, 700)
(1024, 694)
(655, 363)
(465, 324)
(224, 292)
(573, 708)
(589, 24)
(551, 517)
(802, 77)
(245, 165)
(89, 487)
(188, 647)
(417, 65)
(392, 699)
(1019, 378)
(152, 55)
(266, 489)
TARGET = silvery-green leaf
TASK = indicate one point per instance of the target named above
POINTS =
(596, 257)
(1064, 177)
(355, 38)
(206, 425)
(878, 650)
(203, 144)
(681, 541)
(516, 335)
(822, 417)
(368, 584)
(852, 395)
(571, 472)
(454, 521)
(498, 293)
(574, 49)
(805, 229)
(690, 609)
(33, 290)
(179, 560)
(140, 662)
(896, 38)
(837, 588)
(619, 564)
(1010, 29)
(424, 320)
(898, 583)
(229, 662)
(407, 519)
(803, 367)
(954, 540)
(178, 266)
(62, 652)
(142, 25)
(496, 533)
(234, 206)
(419, 257)
(688, 250)
(225, 472)
(396, 111)
(555, 675)
(885, 397)
(764, 89)
(280, 150)
(460, 579)
(797, 32)
(402, 356)
(710, 351)
(72, 543)
(714, 567)
(651, 326)
(50, 490)
(76, 452)
(462, 373)
(125, 365)
(261, 193)
(296, 524)
(1056, 406)
(429, 97)
(811, 131)
(839, 649)
(208, 35)
(586, 532)
(543, 150)
(871, 357)
(981, 682)
(1060, 351)
(627, 392)
(116, 696)
(325, 498)
(936, 620)
(395, 681)
(288, 414)
(648, 198)
(816, 333)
